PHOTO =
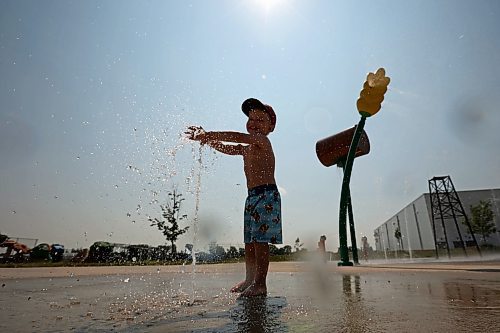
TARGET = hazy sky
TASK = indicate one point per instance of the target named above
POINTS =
(94, 97)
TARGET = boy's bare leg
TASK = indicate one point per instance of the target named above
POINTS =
(259, 287)
(250, 267)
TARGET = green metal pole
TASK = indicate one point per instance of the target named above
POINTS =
(352, 231)
(344, 195)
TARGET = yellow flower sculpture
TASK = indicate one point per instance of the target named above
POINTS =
(372, 94)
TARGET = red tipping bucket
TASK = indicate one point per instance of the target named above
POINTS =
(334, 149)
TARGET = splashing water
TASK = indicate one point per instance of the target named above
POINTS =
(154, 172)
(195, 219)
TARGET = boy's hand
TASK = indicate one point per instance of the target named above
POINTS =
(196, 133)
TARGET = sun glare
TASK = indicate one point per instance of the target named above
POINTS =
(268, 5)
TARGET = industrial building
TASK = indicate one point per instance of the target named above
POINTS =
(414, 223)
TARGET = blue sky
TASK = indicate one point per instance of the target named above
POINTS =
(94, 97)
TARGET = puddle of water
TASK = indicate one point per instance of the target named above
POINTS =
(300, 301)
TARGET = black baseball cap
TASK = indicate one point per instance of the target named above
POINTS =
(253, 103)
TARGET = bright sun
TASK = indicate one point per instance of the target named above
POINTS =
(268, 5)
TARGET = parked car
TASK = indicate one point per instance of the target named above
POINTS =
(57, 252)
(100, 252)
(41, 252)
(13, 251)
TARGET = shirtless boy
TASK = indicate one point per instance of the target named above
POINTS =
(262, 217)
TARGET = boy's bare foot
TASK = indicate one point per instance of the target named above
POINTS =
(241, 286)
(254, 290)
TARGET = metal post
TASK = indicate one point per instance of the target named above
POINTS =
(433, 219)
(344, 253)
(352, 231)
(466, 220)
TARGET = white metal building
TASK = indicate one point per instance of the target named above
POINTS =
(415, 224)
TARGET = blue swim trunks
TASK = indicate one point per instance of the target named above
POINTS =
(262, 221)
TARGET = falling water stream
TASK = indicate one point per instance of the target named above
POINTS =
(195, 220)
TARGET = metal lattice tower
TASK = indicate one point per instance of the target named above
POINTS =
(445, 204)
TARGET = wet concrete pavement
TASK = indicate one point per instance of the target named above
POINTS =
(303, 297)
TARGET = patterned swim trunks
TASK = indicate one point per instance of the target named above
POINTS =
(262, 221)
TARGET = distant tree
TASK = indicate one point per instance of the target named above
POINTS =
(220, 251)
(172, 216)
(482, 220)
(287, 249)
(376, 235)
(273, 249)
(211, 247)
(241, 252)
(232, 252)
(298, 245)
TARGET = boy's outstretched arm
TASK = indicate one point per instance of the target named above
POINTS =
(199, 134)
(196, 133)
(237, 137)
(226, 149)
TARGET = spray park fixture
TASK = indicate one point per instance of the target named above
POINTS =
(341, 149)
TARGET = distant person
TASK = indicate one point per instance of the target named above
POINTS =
(262, 214)
(365, 247)
(322, 247)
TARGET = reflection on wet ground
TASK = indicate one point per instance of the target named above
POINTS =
(306, 298)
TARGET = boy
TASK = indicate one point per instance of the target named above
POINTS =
(262, 217)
